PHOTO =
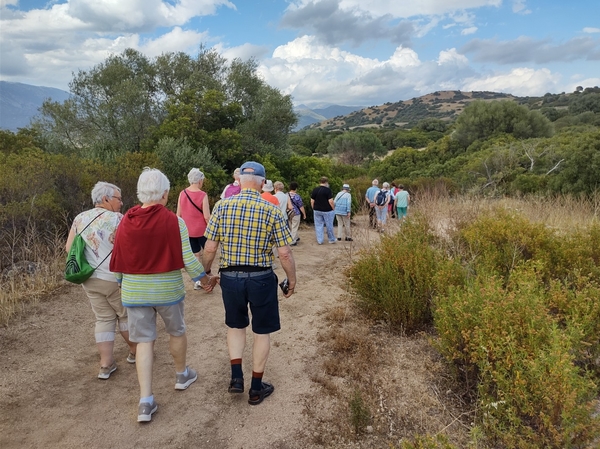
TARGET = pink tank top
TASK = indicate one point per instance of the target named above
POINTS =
(194, 219)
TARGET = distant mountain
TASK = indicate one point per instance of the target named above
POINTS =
(443, 105)
(308, 116)
(19, 103)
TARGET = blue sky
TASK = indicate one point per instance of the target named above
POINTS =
(348, 52)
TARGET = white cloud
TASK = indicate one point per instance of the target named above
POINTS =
(5, 3)
(467, 31)
(451, 56)
(315, 73)
(519, 81)
(591, 30)
(174, 41)
(520, 7)
(134, 15)
(243, 52)
(405, 9)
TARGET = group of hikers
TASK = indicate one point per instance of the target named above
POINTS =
(386, 201)
(139, 256)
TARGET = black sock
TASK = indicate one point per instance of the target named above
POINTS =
(236, 369)
(256, 384)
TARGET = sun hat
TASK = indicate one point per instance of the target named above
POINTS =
(345, 187)
(252, 168)
(268, 187)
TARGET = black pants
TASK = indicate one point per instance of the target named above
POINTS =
(372, 218)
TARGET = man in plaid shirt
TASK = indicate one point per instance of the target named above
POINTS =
(247, 227)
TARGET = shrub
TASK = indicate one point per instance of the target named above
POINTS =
(397, 280)
(510, 350)
(496, 243)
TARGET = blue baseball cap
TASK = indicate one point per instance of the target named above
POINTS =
(252, 168)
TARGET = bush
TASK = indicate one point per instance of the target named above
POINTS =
(397, 280)
(508, 347)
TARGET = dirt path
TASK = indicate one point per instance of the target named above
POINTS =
(50, 396)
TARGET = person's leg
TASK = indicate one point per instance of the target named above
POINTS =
(114, 299)
(142, 330)
(178, 349)
(260, 352)
(329, 216)
(319, 222)
(346, 223)
(373, 217)
(295, 227)
(106, 318)
(236, 342)
(340, 226)
(144, 360)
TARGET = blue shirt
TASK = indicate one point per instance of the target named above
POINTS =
(343, 203)
(371, 192)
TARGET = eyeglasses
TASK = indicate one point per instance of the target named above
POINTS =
(117, 198)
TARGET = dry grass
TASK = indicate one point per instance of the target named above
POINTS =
(34, 266)
(403, 383)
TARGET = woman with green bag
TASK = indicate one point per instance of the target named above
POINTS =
(97, 228)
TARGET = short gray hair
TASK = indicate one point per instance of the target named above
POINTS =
(256, 181)
(278, 185)
(195, 176)
(386, 185)
(152, 185)
(102, 189)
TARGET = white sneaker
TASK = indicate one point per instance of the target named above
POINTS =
(198, 286)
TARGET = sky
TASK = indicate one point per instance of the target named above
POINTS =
(321, 52)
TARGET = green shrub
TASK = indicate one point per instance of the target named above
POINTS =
(498, 242)
(511, 350)
(397, 280)
(359, 413)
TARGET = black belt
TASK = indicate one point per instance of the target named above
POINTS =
(245, 274)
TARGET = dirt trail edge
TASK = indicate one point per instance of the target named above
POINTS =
(50, 396)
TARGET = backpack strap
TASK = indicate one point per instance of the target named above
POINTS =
(108, 255)
(86, 226)
(186, 194)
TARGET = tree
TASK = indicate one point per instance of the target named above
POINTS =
(481, 120)
(112, 109)
(354, 148)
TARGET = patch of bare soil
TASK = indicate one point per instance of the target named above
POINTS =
(50, 396)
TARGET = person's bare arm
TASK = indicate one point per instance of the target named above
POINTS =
(178, 213)
(286, 257)
(331, 203)
(70, 239)
(206, 208)
(208, 256)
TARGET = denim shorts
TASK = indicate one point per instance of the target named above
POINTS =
(256, 289)
(142, 321)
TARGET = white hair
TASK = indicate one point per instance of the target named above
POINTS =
(236, 173)
(102, 189)
(152, 185)
(253, 180)
(386, 185)
(195, 176)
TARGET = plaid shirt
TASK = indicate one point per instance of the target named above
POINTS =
(247, 226)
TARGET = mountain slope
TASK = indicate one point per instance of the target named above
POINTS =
(19, 103)
(444, 105)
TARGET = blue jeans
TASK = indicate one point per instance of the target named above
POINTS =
(324, 218)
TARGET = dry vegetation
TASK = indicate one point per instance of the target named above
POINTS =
(37, 272)
(381, 388)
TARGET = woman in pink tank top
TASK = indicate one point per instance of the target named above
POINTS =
(193, 207)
